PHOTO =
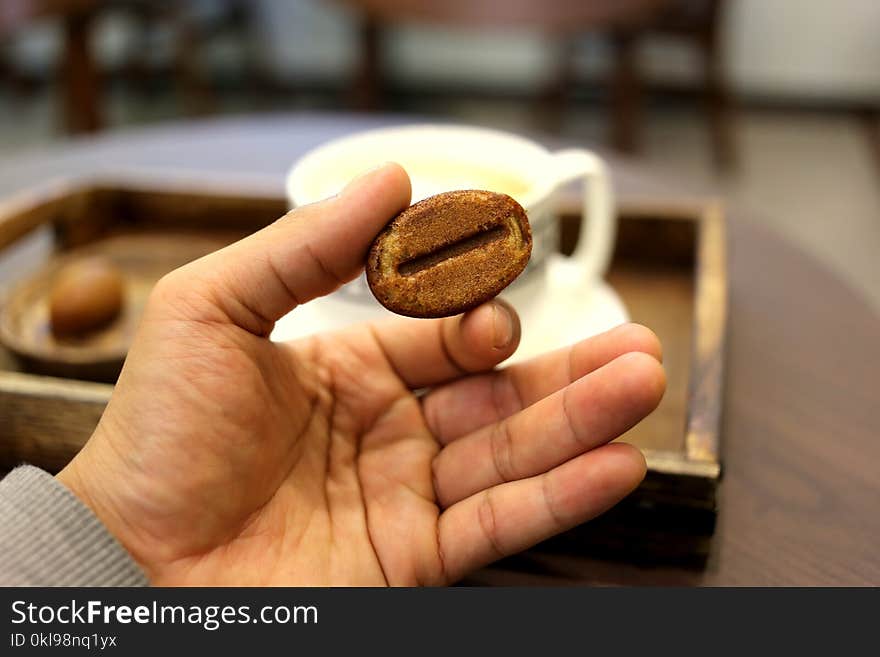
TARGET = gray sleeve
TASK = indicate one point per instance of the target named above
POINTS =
(49, 538)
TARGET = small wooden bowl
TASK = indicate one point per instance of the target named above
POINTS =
(97, 356)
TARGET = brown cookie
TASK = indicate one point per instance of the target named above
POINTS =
(449, 253)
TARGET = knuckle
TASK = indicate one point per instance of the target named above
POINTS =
(575, 427)
(180, 293)
(551, 503)
(166, 289)
(436, 478)
(488, 518)
(506, 398)
(501, 446)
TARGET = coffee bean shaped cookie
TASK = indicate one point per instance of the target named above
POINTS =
(449, 253)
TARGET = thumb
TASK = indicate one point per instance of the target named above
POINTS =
(307, 253)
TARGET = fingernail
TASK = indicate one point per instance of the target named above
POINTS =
(502, 326)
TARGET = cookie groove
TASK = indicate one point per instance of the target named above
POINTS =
(470, 243)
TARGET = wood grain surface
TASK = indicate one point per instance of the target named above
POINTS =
(663, 299)
(801, 432)
(52, 418)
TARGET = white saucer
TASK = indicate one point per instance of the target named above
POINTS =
(564, 316)
(551, 317)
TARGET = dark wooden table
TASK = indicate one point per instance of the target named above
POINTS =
(800, 499)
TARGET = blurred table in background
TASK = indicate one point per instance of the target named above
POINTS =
(801, 431)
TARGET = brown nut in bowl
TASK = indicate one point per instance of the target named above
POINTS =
(86, 295)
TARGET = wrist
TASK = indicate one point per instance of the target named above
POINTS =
(70, 478)
(80, 477)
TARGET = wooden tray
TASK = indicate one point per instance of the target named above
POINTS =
(669, 268)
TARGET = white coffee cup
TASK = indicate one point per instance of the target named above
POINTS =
(560, 299)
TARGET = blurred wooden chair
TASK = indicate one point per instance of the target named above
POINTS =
(559, 18)
(627, 22)
(193, 25)
(79, 77)
(149, 17)
(698, 23)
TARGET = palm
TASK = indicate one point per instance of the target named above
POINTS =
(304, 451)
(341, 491)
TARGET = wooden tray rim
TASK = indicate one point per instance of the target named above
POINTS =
(701, 456)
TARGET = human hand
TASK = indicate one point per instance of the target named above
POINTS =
(225, 458)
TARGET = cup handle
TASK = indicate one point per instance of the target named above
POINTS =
(592, 254)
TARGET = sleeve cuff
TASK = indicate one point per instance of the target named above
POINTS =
(49, 538)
